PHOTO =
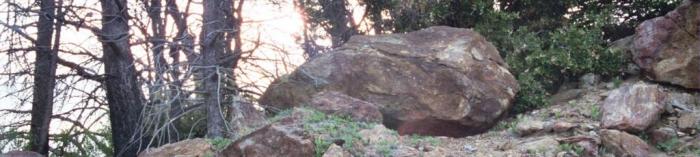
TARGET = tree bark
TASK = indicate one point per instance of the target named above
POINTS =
(213, 45)
(124, 94)
(44, 79)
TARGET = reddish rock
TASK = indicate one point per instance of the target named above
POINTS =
(632, 108)
(190, 147)
(283, 138)
(688, 122)
(562, 126)
(530, 127)
(663, 134)
(438, 76)
(340, 104)
(667, 48)
(246, 116)
(624, 144)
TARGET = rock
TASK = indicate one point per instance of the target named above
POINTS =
(21, 154)
(589, 81)
(624, 144)
(562, 126)
(340, 104)
(282, 138)
(632, 108)
(589, 148)
(666, 48)
(185, 148)
(688, 122)
(545, 146)
(530, 127)
(378, 134)
(680, 101)
(336, 151)
(662, 134)
(437, 81)
(246, 117)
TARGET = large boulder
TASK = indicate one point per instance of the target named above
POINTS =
(337, 103)
(285, 137)
(632, 107)
(624, 144)
(185, 148)
(667, 48)
(438, 81)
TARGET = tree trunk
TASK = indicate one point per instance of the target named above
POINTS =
(44, 79)
(124, 94)
(213, 45)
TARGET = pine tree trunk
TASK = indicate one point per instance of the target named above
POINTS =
(124, 94)
(44, 79)
(213, 45)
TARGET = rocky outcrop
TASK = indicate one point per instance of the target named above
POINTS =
(624, 144)
(632, 107)
(439, 80)
(283, 138)
(667, 48)
(340, 104)
(190, 147)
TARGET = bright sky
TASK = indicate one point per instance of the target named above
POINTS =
(279, 28)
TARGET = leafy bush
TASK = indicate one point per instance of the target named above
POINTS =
(541, 60)
(219, 143)
(336, 128)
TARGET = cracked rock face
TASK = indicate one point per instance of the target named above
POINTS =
(667, 48)
(436, 81)
(632, 108)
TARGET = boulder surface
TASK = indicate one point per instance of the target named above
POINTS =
(624, 144)
(340, 104)
(632, 107)
(436, 81)
(667, 48)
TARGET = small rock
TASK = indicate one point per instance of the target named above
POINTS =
(545, 146)
(590, 148)
(680, 101)
(624, 144)
(589, 81)
(529, 127)
(469, 148)
(336, 151)
(632, 108)
(687, 122)
(562, 126)
(662, 134)
(190, 147)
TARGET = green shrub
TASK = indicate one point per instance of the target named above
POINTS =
(333, 128)
(219, 144)
(541, 60)
(669, 145)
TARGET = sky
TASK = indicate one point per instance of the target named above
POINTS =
(278, 26)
